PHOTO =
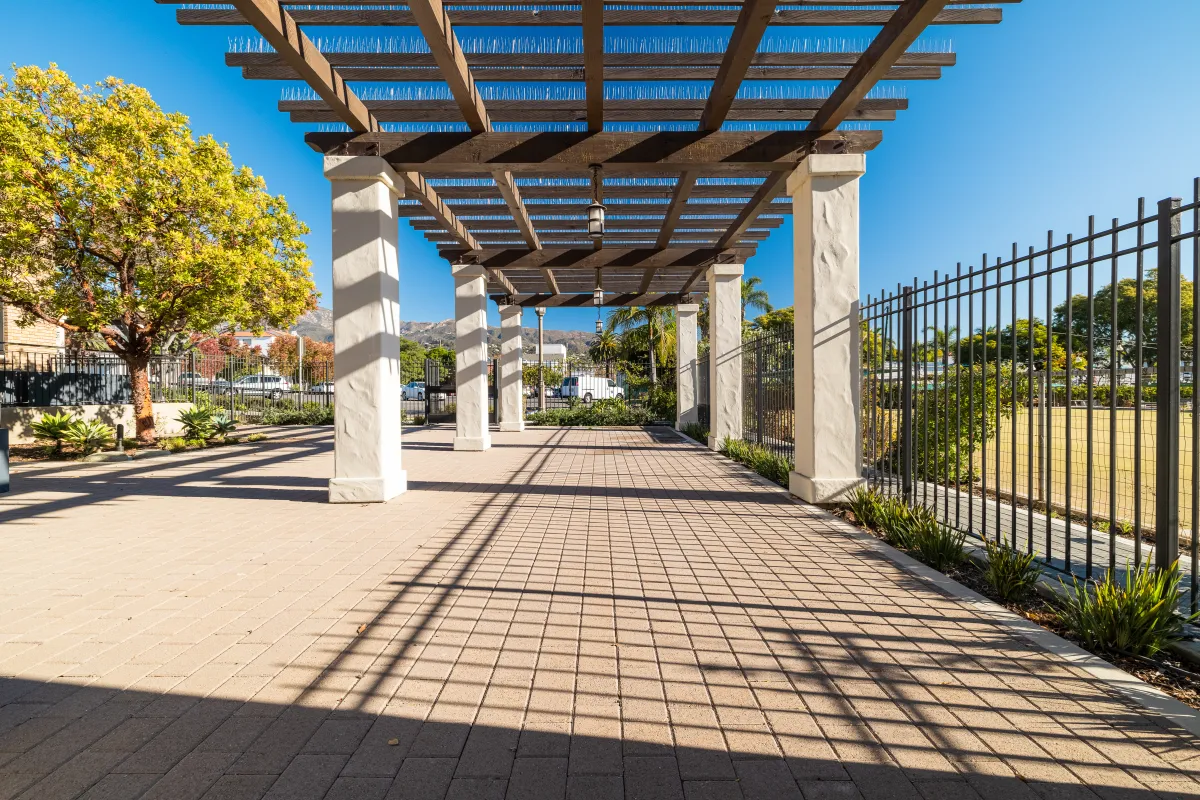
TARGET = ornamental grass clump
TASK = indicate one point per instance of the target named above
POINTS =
(773, 467)
(895, 520)
(1011, 573)
(1137, 616)
(938, 545)
(866, 503)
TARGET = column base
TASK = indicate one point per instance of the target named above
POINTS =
(822, 490)
(714, 442)
(368, 490)
(512, 427)
(472, 443)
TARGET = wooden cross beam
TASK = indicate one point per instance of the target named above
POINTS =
(619, 153)
(584, 300)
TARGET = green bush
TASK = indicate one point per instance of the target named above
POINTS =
(1138, 617)
(223, 425)
(601, 413)
(866, 503)
(694, 430)
(88, 436)
(173, 444)
(895, 522)
(774, 467)
(54, 427)
(256, 437)
(1011, 573)
(662, 403)
(308, 414)
(197, 422)
(938, 545)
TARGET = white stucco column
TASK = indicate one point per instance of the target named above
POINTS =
(824, 191)
(685, 359)
(471, 357)
(366, 321)
(725, 352)
(512, 384)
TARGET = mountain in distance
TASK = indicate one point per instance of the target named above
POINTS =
(318, 324)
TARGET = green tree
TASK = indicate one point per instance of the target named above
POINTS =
(412, 361)
(115, 220)
(649, 330)
(445, 357)
(605, 349)
(779, 321)
(754, 297)
(984, 345)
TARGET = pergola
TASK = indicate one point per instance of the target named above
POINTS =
(495, 145)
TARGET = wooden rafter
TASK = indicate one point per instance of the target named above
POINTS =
(435, 25)
(593, 62)
(752, 22)
(611, 74)
(610, 300)
(905, 25)
(279, 28)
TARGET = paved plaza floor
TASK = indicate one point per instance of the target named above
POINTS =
(572, 614)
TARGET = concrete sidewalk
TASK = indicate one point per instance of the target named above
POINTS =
(573, 613)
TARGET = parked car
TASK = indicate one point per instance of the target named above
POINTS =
(414, 390)
(187, 379)
(588, 388)
(272, 386)
(324, 387)
(218, 386)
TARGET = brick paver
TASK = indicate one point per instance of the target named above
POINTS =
(579, 614)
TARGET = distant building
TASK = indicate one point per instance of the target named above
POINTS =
(555, 353)
(40, 337)
(262, 340)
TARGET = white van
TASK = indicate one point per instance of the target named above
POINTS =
(588, 388)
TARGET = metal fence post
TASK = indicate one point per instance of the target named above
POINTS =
(906, 410)
(758, 389)
(1041, 439)
(1166, 516)
(192, 373)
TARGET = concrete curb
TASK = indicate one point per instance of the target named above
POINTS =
(37, 470)
(1117, 679)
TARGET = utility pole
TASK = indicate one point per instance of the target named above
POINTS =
(541, 315)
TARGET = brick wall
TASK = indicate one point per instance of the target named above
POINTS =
(39, 337)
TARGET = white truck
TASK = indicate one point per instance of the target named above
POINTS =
(588, 388)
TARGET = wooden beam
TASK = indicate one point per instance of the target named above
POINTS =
(593, 62)
(435, 206)
(380, 17)
(614, 62)
(513, 239)
(538, 74)
(797, 3)
(577, 226)
(725, 210)
(619, 153)
(578, 258)
(583, 194)
(906, 24)
(581, 300)
(296, 50)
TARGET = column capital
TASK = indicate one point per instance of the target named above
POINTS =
(727, 270)
(687, 308)
(540, 311)
(468, 271)
(827, 165)
(363, 168)
(508, 312)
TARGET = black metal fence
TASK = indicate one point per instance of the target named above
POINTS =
(71, 379)
(1044, 398)
(768, 392)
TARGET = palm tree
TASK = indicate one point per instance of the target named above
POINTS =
(654, 324)
(754, 297)
(604, 350)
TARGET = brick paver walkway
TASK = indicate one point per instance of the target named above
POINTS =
(583, 614)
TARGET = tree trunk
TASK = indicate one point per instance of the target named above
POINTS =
(143, 409)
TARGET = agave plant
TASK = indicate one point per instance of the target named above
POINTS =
(223, 425)
(54, 427)
(197, 422)
(88, 436)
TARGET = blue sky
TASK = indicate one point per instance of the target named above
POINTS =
(1068, 108)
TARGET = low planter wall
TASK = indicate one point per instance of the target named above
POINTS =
(19, 419)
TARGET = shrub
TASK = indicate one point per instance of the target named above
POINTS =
(418, 419)
(771, 466)
(308, 414)
(223, 426)
(88, 436)
(1010, 572)
(600, 413)
(256, 437)
(938, 545)
(195, 444)
(865, 503)
(662, 403)
(1136, 617)
(895, 520)
(197, 422)
(54, 427)
(694, 430)
(173, 444)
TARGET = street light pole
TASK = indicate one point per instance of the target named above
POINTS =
(541, 315)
